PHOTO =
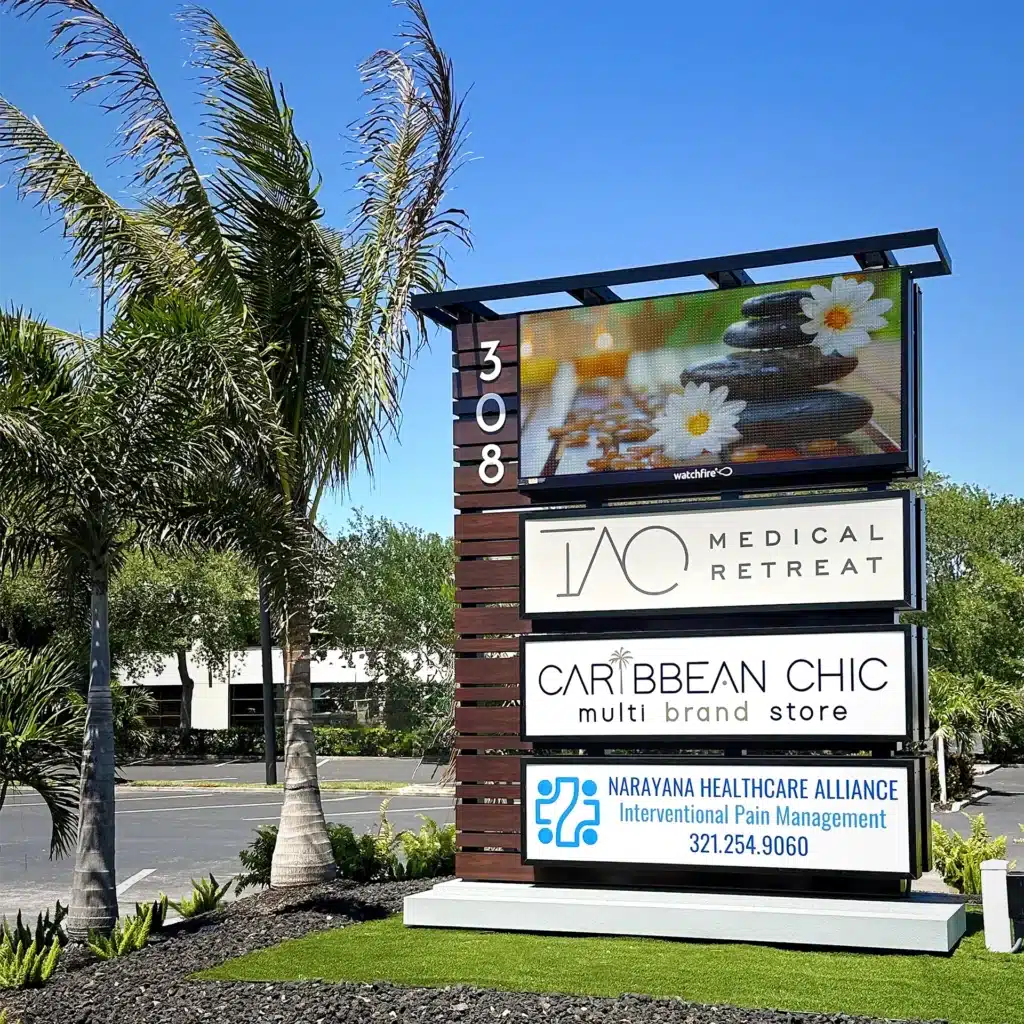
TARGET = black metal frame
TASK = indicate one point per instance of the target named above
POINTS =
(872, 252)
(913, 766)
(852, 741)
(912, 568)
(807, 471)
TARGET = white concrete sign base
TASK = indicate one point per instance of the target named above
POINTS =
(920, 923)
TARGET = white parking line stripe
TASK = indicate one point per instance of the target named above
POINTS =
(322, 762)
(352, 814)
(137, 877)
(228, 807)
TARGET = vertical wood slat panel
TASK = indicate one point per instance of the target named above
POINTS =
(487, 578)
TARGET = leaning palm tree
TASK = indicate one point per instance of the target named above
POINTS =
(330, 307)
(41, 736)
(106, 446)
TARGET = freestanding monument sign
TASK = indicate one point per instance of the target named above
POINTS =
(683, 710)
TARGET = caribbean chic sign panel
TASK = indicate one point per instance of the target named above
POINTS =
(851, 815)
(783, 685)
(842, 551)
(766, 380)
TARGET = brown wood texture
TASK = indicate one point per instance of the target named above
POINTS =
(487, 817)
(492, 744)
(499, 572)
(474, 768)
(468, 480)
(491, 499)
(508, 355)
(486, 644)
(495, 867)
(465, 430)
(480, 694)
(486, 671)
(490, 620)
(493, 595)
(473, 453)
(468, 384)
(470, 337)
(486, 791)
(485, 548)
(487, 721)
(496, 526)
(476, 840)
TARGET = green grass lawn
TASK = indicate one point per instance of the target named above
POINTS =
(972, 986)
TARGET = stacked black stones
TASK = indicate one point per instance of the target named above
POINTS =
(778, 371)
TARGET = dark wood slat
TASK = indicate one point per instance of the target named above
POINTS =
(475, 840)
(490, 743)
(503, 867)
(486, 644)
(490, 620)
(491, 499)
(488, 817)
(491, 573)
(466, 431)
(471, 548)
(467, 383)
(467, 479)
(482, 791)
(494, 595)
(472, 454)
(487, 721)
(472, 336)
(476, 358)
(497, 526)
(475, 768)
(476, 694)
(486, 671)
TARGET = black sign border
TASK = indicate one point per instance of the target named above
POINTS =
(913, 515)
(808, 472)
(914, 698)
(914, 767)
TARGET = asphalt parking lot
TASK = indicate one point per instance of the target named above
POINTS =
(165, 837)
(1003, 808)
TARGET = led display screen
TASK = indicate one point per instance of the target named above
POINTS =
(769, 380)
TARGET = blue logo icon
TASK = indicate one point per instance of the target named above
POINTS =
(562, 798)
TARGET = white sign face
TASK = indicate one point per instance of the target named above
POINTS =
(754, 685)
(834, 817)
(760, 556)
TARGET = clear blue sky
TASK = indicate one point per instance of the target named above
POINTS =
(611, 134)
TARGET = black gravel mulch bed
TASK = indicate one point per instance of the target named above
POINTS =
(152, 986)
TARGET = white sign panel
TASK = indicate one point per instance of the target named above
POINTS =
(764, 685)
(826, 817)
(746, 555)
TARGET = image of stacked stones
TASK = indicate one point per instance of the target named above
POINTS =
(780, 373)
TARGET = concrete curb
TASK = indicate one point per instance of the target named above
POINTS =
(959, 805)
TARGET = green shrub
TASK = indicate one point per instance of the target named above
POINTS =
(371, 857)
(959, 776)
(958, 860)
(205, 896)
(47, 929)
(26, 966)
(129, 935)
(157, 910)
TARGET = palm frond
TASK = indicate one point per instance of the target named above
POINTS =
(163, 168)
(137, 256)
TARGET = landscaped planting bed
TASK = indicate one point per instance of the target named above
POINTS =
(156, 985)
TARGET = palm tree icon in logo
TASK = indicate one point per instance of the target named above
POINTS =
(622, 658)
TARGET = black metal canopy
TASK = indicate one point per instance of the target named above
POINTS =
(464, 305)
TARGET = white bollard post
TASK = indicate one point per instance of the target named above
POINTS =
(996, 906)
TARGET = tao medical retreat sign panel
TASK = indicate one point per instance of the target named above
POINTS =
(823, 815)
(789, 553)
(768, 685)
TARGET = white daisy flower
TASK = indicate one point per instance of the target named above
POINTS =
(699, 420)
(841, 318)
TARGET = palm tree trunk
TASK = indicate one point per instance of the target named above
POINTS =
(187, 688)
(940, 758)
(302, 855)
(94, 886)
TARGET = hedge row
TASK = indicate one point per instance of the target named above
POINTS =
(336, 741)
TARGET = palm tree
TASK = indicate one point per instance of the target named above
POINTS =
(41, 736)
(622, 658)
(329, 307)
(106, 447)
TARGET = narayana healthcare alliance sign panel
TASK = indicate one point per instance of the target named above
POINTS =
(833, 815)
(848, 551)
(844, 683)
